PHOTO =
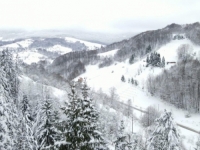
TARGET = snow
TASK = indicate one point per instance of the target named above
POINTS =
(109, 53)
(24, 44)
(59, 49)
(90, 45)
(108, 77)
(13, 45)
(30, 56)
(27, 82)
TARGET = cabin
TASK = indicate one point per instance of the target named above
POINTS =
(171, 62)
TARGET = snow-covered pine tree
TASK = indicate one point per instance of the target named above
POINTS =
(147, 60)
(5, 139)
(74, 122)
(165, 135)
(121, 143)
(81, 129)
(26, 140)
(92, 135)
(47, 132)
(132, 81)
(131, 60)
(163, 62)
(8, 94)
(123, 78)
(148, 49)
(9, 67)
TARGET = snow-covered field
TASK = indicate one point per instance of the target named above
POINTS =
(108, 77)
(90, 45)
(59, 49)
(30, 56)
(24, 44)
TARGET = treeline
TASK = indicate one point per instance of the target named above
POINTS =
(155, 60)
(73, 64)
(49, 42)
(181, 84)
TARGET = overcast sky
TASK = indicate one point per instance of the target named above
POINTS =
(113, 16)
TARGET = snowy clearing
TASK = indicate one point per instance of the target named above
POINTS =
(108, 77)
(90, 45)
(59, 49)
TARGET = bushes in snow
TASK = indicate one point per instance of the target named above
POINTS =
(148, 118)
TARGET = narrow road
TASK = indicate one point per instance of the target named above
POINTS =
(178, 124)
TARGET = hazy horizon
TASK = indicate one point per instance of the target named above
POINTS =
(99, 20)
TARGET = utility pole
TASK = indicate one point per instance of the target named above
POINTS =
(132, 123)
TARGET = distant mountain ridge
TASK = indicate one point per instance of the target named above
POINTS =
(155, 38)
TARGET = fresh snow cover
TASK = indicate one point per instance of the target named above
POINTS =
(90, 45)
(59, 49)
(108, 77)
(30, 57)
(24, 44)
(55, 92)
(13, 45)
(109, 53)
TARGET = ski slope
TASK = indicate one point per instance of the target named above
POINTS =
(108, 77)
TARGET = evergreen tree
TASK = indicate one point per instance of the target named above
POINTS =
(47, 132)
(136, 83)
(92, 134)
(123, 78)
(81, 129)
(121, 143)
(25, 138)
(132, 81)
(5, 139)
(8, 110)
(165, 136)
(131, 59)
(148, 59)
(9, 67)
(148, 49)
(163, 62)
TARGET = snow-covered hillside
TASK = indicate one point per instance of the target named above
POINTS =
(90, 45)
(31, 56)
(32, 50)
(23, 44)
(59, 49)
(108, 54)
(108, 77)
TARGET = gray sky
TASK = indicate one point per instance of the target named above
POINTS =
(105, 16)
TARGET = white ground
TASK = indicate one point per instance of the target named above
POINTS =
(108, 77)
(60, 49)
(108, 54)
(30, 56)
(90, 45)
(24, 44)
